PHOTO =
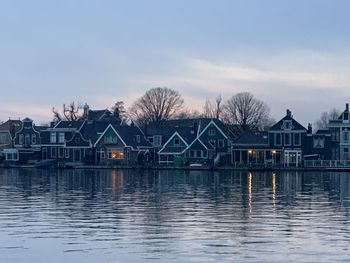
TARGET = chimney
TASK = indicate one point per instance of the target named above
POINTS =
(309, 128)
(347, 106)
(52, 124)
(86, 110)
(289, 113)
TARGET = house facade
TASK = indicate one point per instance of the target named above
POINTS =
(340, 136)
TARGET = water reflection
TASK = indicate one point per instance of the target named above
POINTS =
(173, 216)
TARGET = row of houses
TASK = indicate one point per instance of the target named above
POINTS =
(101, 138)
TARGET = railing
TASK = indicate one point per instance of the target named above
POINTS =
(327, 163)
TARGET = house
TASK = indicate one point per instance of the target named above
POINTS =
(340, 133)
(53, 140)
(319, 145)
(7, 133)
(288, 139)
(26, 143)
(121, 144)
(252, 148)
(200, 140)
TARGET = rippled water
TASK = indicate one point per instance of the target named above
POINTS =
(173, 216)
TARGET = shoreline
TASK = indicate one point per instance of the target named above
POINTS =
(184, 168)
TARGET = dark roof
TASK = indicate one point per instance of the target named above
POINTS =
(11, 126)
(188, 128)
(323, 131)
(128, 134)
(69, 125)
(252, 138)
(296, 125)
(92, 130)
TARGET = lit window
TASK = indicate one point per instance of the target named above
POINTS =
(115, 153)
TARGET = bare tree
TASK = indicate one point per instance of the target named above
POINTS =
(213, 110)
(71, 112)
(119, 110)
(245, 110)
(156, 105)
(189, 114)
(323, 121)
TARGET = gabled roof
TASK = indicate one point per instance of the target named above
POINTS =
(127, 134)
(296, 125)
(93, 130)
(170, 139)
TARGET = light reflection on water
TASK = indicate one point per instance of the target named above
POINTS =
(173, 216)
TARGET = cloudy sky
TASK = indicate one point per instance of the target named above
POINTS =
(291, 54)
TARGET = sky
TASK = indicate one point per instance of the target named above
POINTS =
(291, 54)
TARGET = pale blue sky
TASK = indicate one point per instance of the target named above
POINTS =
(291, 54)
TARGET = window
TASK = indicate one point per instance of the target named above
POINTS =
(287, 137)
(297, 139)
(176, 142)
(138, 138)
(199, 154)
(77, 140)
(318, 142)
(11, 154)
(278, 139)
(213, 143)
(60, 152)
(33, 139)
(101, 153)
(2, 138)
(346, 136)
(21, 139)
(212, 132)
(221, 143)
(61, 137)
(53, 152)
(52, 137)
(191, 153)
(66, 153)
(110, 139)
(27, 139)
(115, 153)
(157, 140)
(287, 125)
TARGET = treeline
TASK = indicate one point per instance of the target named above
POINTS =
(162, 103)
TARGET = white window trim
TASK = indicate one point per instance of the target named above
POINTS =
(275, 137)
(290, 139)
(297, 144)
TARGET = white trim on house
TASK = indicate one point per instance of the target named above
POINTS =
(110, 125)
(169, 140)
(212, 122)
